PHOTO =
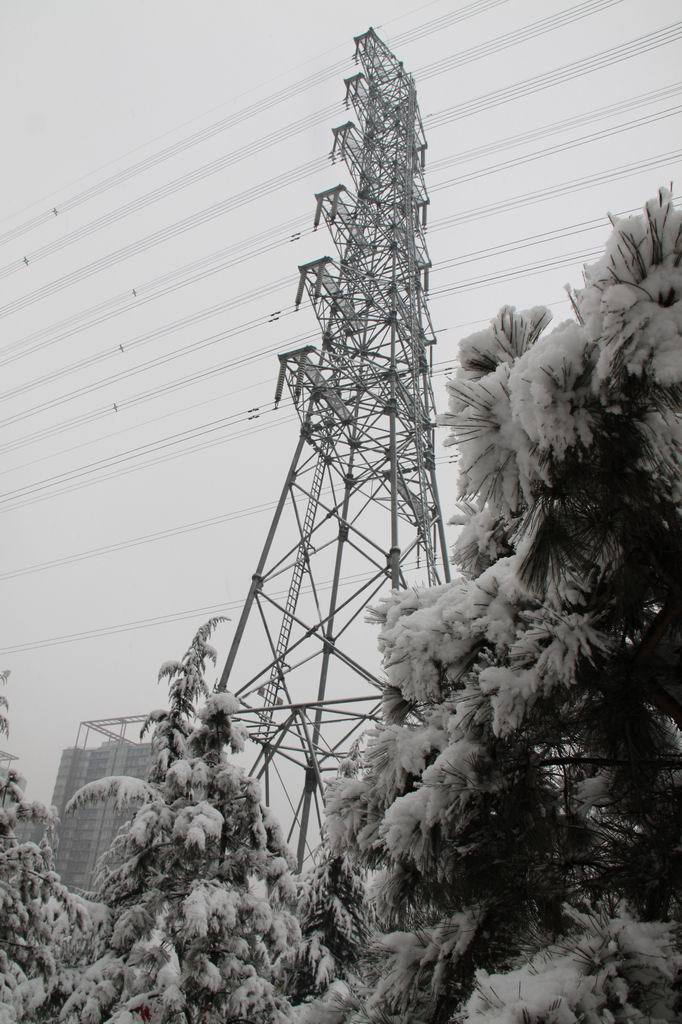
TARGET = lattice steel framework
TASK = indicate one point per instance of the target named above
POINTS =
(360, 495)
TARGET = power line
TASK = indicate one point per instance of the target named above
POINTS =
(52, 430)
(260, 355)
(633, 168)
(556, 127)
(527, 241)
(153, 462)
(255, 294)
(147, 538)
(439, 368)
(29, 490)
(554, 191)
(471, 284)
(133, 542)
(260, 145)
(165, 234)
(467, 285)
(562, 147)
(190, 348)
(557, 76)
(515, 37)
(124, 627)
(139, 452)
(169, 617)
(624, 170)
(132, 298)
(174, 412)
(541, 82)
(197, 270)
(169, 532)
(171, 151)
(166, 190)
(115, 351)
(407, 14)
(71, 480)
(514, 273)
(244, 114)
(446, 21)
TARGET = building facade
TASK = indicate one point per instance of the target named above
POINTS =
(88, 833)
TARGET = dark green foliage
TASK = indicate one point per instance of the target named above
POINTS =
(524, 797)
(334, 919)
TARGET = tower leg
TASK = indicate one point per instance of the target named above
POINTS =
(258, 575)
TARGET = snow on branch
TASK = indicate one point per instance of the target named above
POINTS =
(122, 789)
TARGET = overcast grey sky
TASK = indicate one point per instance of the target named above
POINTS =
(92, 88)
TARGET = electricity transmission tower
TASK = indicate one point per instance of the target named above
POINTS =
(359, 509)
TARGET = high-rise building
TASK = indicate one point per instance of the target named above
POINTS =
(88, 833)
(5, 765)
(7, 770)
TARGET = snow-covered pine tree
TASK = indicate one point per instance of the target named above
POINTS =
(197, 883)
(523, 798)
(39, 919)
(334, 919)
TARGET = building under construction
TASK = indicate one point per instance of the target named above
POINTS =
(88, 833)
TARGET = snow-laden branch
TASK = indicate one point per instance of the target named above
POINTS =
(123, 789)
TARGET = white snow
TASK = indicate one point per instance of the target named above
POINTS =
(197, 824)
(122, 789)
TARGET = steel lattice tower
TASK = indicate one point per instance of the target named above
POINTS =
(360, 496)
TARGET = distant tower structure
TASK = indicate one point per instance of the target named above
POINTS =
(359, 510)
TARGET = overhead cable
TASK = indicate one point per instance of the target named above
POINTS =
(134, 542)
(132, 298)
(514, 37)
(191, 319)
(139, 452)
(554, 191)
(514, 273)
(555, 127)
(154, 159)
(557, 76)
(579, 11)
(271, 138)
(209, 213)
(472, 284)
(175, 411)
(110, 410)
(244, 114)
(166, 190)
(170, 617)
(562, 147)
(540, 82)
(167, 457)
(212, 263)
(446, 21)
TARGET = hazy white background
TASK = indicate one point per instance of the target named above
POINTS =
(92, 87)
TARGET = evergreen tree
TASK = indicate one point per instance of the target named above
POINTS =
(523, 797)
(333, 915)
(197, 883)
(39, 919)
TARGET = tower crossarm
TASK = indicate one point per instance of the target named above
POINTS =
(347, 145)
(357, 90)
(373, 52)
